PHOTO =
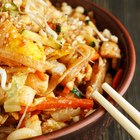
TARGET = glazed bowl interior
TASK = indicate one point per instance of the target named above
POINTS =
(103, 20)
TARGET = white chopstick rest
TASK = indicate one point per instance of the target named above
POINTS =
(135, 114)
(122, 120)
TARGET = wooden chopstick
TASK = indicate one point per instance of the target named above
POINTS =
(116, 114)
(135, 114)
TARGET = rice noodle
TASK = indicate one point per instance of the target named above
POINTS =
(21, 59)
(71, 72)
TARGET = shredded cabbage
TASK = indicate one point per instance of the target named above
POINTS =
(18, 81)
(12, 102)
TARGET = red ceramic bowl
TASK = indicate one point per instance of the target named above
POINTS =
(100, 119)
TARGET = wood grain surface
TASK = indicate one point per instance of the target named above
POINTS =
(128, 12)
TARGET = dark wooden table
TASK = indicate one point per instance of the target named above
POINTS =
(128, 12)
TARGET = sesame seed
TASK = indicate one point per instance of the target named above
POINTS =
(7, 35)
(15, 36)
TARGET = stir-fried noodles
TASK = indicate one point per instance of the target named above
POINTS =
(51, 61)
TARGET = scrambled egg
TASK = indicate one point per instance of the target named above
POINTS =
(15, 43)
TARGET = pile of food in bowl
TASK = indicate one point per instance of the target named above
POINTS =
(52, 59)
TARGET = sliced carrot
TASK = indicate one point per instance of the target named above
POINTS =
(117, 78)
(61, 102)
(94, 54)
(42, 76)
(65, 92)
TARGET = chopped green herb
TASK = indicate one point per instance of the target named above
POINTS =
(87, 21)
(92, 44)
(77, 92)
(58, 28)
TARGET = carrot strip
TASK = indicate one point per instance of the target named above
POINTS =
(94, 56)
(65, 92)
(41, 75)
(117, 78)
(61, 102)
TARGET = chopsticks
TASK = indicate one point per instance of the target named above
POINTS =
(116, 114)
(135, 114)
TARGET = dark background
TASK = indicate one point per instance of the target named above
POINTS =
(128, 12)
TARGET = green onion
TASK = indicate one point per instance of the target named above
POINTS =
(92, 44)
(77, 92)
(87, 21)
(58, 28)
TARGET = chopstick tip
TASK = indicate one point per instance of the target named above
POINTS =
(104, 84)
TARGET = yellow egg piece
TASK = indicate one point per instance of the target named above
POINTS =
(16, 43)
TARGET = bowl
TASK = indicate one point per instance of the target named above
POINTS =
(100, 119)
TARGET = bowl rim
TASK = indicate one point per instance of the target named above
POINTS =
(122, 89)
